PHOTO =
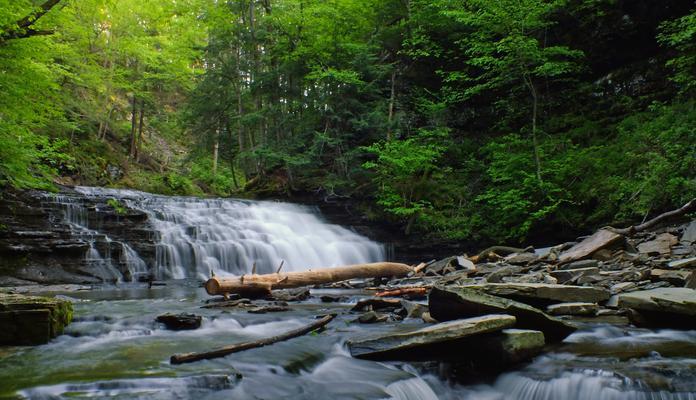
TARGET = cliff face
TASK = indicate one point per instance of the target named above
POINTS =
(40, 241)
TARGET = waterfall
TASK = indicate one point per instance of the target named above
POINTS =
(196, 237)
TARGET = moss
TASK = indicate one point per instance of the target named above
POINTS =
(117, 206)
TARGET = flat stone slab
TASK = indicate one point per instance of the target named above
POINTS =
(32, 320)
(417, 344)
(545, 292)
(661, 245)
(583, 309)
(672, 300)
(454, 302)
(566, 275)
(685, 263)
(599, 240)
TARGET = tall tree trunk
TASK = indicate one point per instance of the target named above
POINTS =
(216, 148)
(134, 124)
(535, 106)
(391, 104)
(138, 145)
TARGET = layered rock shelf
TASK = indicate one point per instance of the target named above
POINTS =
(32, 320)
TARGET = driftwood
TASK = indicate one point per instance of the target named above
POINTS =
(235, 348)
(261, 285)
(690, 206)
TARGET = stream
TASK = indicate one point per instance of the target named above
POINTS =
(115, 349)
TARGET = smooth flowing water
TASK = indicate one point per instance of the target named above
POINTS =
(198, 237)
(115, 349)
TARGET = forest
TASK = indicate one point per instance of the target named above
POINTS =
(474, 120)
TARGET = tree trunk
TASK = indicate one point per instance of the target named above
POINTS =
(139, 143)
(391, 104)
(134, 114)
(260, 285)
(216, 148)
(235, 348)
(535, 105)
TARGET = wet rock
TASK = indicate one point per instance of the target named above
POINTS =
(572, 275)
(32, 320)
(428, 319)
(685, 263)
(178, 322)
(661, 245)
(663, 307)
(583, 309)
(299, 294)
(503, 271)
(599, 240)
(544, 294)
(623, 287)
(427, 343)
(411, 309)
(377, 303)
(372, 317)
(332, 299)
(449, 303)
(227, 303)
(603, 255)
(268, 309)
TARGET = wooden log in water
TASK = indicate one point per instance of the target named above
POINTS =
(235, 348)
(256, 285)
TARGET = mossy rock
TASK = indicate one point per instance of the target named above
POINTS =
(31, 320)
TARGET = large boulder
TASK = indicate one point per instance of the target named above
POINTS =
(427, 343)
(31, 320)
(543, 294)
(601, 239)
(662, 307)
(455, 302)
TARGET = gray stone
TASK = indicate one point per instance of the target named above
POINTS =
(685, 263)
(599, 240)
(568, 275)
(662, 307)
(542, 293)
(689, 235)
(372, 317)
(412, 309)
(676, 277)
(419, 343)
(179, 322)
(573, 309)
(661, 245)
(521, 258)
(455, 302)
(580, 264)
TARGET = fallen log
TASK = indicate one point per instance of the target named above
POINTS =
(688, 207)
(498, 250)
(261, 285)
(235, 348)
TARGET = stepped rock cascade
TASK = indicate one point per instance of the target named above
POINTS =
(195, 237)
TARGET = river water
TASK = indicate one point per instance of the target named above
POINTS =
(115, 349)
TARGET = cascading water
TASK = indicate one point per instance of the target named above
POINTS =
(198, 237)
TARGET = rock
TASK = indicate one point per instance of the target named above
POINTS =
(661, 245)
(412, 309)
(465, 263)
(299, 294)
(511, 346)
(178, 322)
(685, 263)
(663, 307)
(689, 235)
(521, 258)
(377, 303)
(572, 275)
(332, 299)
(675, 277)
(428, 319)
(544, 294)
(268, 308)
(32, 320)
(573, 309)
(580, 265)
(623, 287)
(427, 343)
(548, 279)
(500, 272)
(448, 303)
(691, 282)
(372, 317)
(599, 240)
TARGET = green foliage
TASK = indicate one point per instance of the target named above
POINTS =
(117, 206)
(680, 35)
